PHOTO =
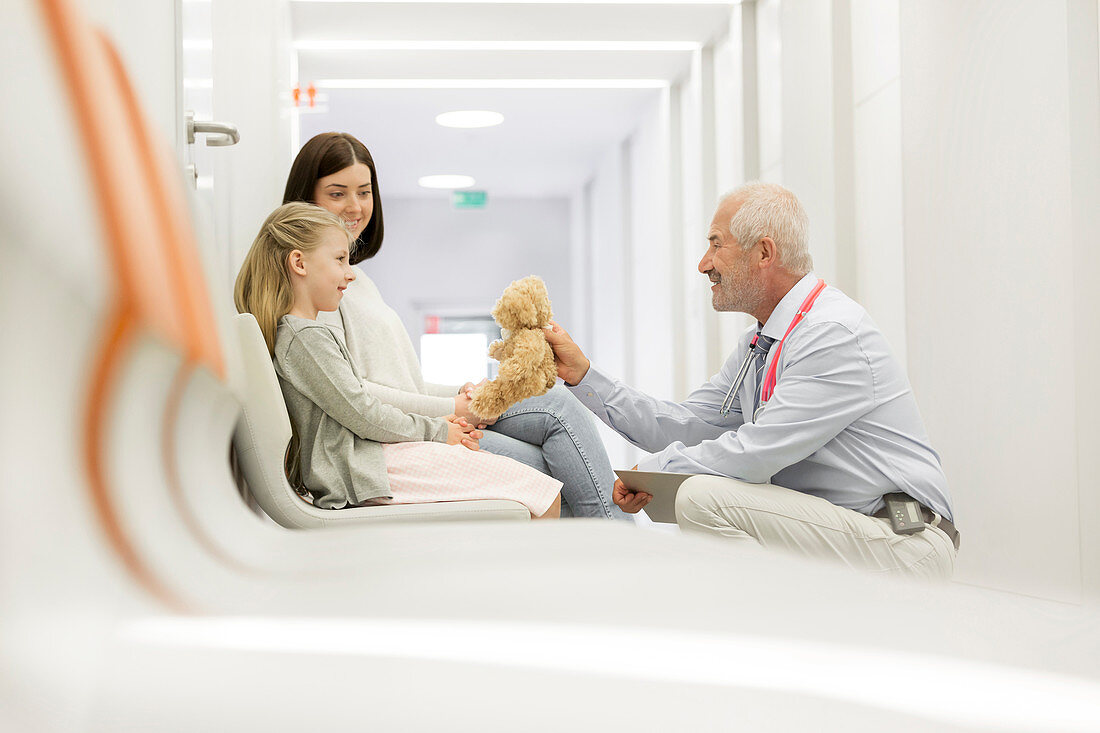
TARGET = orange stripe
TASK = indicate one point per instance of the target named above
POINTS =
(129, 227)
(186, 281)
(119, 340)
(137, 303)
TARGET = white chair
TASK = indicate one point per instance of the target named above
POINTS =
(263, 433)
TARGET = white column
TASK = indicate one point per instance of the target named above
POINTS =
(251, 90)
(580, 264)
(878, 236)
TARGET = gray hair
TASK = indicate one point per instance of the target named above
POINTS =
(769, 210)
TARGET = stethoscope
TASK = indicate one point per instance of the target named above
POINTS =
(769, 379)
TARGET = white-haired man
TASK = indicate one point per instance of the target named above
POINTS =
(811, 413)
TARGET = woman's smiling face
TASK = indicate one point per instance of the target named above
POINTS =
(347, 193)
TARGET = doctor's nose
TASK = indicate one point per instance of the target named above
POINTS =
(705, 265)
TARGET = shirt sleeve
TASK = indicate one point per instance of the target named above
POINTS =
(315, 366)
(650, 423)
(824, 386)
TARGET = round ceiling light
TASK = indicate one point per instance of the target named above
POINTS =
(469, 118)
(445, 181)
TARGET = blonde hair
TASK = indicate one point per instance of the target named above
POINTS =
(263, 284)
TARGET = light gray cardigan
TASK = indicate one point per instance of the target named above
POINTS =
(340, 425)
(382, 353)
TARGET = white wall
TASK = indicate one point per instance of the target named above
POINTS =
(608, 194)
(439, 259)
(581, 275)
(1084, 106)
(699, 333)
(992, 239)
(609, 204)
(808, 153)
(651, 254)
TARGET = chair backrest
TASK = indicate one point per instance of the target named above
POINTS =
(263, 430)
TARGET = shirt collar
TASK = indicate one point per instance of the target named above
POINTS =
(787, 308)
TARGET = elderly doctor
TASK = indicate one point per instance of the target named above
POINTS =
(811, 414)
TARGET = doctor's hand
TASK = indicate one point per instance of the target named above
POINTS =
(628, 500)
(571, 362)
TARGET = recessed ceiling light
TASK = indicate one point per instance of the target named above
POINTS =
(469, 118)
(446, 181)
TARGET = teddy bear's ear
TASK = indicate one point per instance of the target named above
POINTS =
(541, 299)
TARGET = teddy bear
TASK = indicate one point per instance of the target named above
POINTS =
(526, 359)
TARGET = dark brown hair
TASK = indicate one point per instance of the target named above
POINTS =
(323, 155)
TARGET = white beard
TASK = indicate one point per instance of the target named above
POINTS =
(738, 292)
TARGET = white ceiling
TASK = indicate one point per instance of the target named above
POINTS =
(545, 147)
(399, 57)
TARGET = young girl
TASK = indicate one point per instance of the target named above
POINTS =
(353, 449)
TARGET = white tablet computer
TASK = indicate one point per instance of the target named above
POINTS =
(661, 485)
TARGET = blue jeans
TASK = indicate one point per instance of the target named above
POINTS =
(556, 434)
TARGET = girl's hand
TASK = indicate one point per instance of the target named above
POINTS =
(460, 432)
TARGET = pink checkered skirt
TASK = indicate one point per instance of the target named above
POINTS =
(424, 472)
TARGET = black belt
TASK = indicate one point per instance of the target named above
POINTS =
(928, 516)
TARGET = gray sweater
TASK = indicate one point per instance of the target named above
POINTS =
(340, 425)
(382, 353)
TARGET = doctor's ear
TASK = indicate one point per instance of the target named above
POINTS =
(295, 262)
(769, 253)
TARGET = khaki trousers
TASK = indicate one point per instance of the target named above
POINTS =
(775, 517)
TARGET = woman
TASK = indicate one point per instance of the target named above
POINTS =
(553, 433)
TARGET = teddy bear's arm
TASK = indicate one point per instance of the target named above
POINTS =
(496, 350)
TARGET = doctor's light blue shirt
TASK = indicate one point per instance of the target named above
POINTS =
(841, 424)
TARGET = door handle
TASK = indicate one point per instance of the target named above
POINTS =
(218, 133)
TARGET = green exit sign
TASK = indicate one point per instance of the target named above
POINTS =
(469, 199)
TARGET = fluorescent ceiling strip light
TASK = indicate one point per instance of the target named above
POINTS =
(730, 3)
(491, 84)
(496, 46)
